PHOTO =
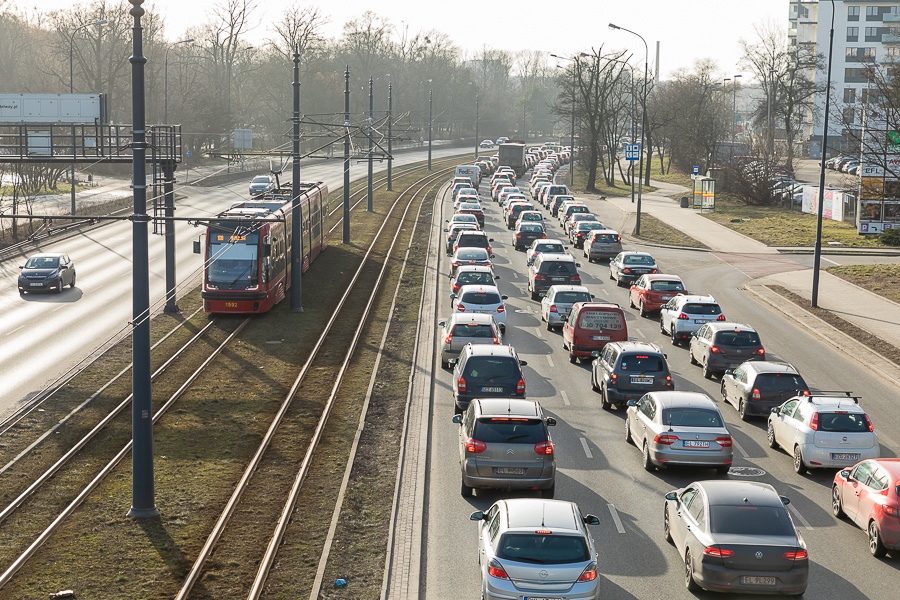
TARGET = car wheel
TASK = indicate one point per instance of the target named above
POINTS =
(464, 490)
(72, 284)
(770, 437)
(604, 399)
(645, 458)
(549, 492)
(628, 431)
(594, 385)
(445, 364)
(691, 357)
(799, 465)
(549, 326)
(674, 336)
(572, 358)
(59, 285)
(707, 374)
(876, 546)
(631, 301)
(611, 275)
(534, 295)
(456, 409)
(689, 582)
(836, 509)
(723, 470)
(662, 325)
(667, 532)
(742, 410)
(642, 310)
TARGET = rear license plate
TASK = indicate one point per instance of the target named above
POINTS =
(700, 321)
(642, 380)
(509, 470)
(845, 456)
(695, 444)
(495, 390)
(600, 338)
(541, 598)
(752, 580)
(557, 279)
(665, 297)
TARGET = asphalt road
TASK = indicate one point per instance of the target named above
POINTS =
(44, 335)
(603, 474)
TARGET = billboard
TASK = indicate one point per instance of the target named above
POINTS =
(52, 108)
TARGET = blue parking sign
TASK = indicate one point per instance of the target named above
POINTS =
(695, 170)
(632, 151)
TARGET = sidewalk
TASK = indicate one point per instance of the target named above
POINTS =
(863, 308)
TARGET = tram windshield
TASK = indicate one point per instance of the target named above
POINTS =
(233, 260)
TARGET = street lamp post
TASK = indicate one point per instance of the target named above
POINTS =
(430, 123)
(733, 115)
(637, 223)
(166, 79)
(99, 23)
(476, 127)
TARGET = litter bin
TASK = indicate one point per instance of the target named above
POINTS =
(685, 203)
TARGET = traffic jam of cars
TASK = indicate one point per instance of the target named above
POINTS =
(732, 535)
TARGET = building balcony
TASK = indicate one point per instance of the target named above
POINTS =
(891, 18)
(890, 38)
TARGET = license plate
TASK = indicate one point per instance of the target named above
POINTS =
(695, 444)
(844, 456)
(642, 380)
(495, 390)
(600, 338)
(35, 284)
(541, 598)
(509, 470)
(753, 580)
(665, 297)
(700, 321)
(557, 279)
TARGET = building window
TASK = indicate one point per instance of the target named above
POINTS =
(893, 51)
(849, 115)
(853, 13)
(853, 34)
(873, 13)
(851, 52)
(849, 95)
(872, 34)
(869, 53)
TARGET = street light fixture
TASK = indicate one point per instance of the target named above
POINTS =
(637, 224)
(166, 79)
(100, 23)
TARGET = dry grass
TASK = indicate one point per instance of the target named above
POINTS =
(654, 230)
(882, 279)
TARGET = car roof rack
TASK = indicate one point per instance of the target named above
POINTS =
(837, 394)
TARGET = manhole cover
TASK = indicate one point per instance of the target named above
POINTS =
(746, 472)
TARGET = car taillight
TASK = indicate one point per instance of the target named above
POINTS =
(460, 308)
(761, 351)
(538, 276)
(804, 393)
(869, 423)
(755, 395)
(683, 317)
(669, 382)
(475, 446)
(720, 318)
(544, 448)
(501, 309)
(613, 378)
(626, 270)
(496, 570)
(666, 439)
(496, 339)
(461, 385)
(520, 386)
(797, 555)
(455, 287)
(553, 308)
(454, 265)
(449, 338)
(579, 235)
(543, 236)
(725, 441)
(814, 422)
(518, 235)
(890, 510)
(576, 278)
(589, 573)
(714, 349)
(718, 552)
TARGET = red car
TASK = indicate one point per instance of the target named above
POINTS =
(868, 494)
(650, 292)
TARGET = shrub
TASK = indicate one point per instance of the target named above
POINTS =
(891, 237)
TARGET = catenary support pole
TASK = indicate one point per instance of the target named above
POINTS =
(370, 195)
(430, 123)
(390, 161)
(296, 206)
(820, 212)
(346, 239)
(168, 168)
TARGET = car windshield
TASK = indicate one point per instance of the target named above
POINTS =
(261, 179)
(572, 297)
(841, 422)
(542, 549)
(473, 330)
(481, 298)
(638, 259)
(42, 262)
(697, 308)
(473, 254)
(641, 363)
(737, 338)
(691, 417)
(779, 382)
(750, 520)
(467, 278)
(667, 286)
(504, 430)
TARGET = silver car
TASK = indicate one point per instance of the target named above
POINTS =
(532, 548)
(679, 428)
(682, 316)
(261, 184)
(602, 243)
(504, 443)
(461, 329)
(483, 299)
(558, 301)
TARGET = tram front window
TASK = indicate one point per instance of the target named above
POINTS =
(233, 265)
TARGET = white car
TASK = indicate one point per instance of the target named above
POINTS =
(544, 247)
(823, 432)
(480, 299)
(558, 301)
(683, 315)
(486, 144)
(261, 184)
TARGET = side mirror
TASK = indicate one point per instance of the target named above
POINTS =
(776, 410)
(551, 421)
(490, 239)
(592, 296)
(457, 419)
(492, 256)
(591, 520)
(693, 334)
(496, 277)
(729, 371)
(453, 296)
(578, 265)
(672, 496)
(267, 250)
(452, 362)
(504, 297)
(785, 500)
(441, 323)
(632, 403)
(523, 363)
(478, 515)
(446, 230)
(595, 354)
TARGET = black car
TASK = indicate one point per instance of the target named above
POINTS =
(625, 371)
(483, 371)
(47, 272)
(551, 269)
(526, 233)
(754, 388)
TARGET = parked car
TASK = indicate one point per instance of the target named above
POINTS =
(46, 272)
(482, 371)
(625, 371)
(591, 326)
(526, 232)
(679, 428)
(261, 184)
(558, 301)
(681, 316)
(465, 328)
(629, 265)
(736, 536)
(601, 243)
(472, 275)
(719, 346)
(823, 431)
(483, 299)
(551, 269)
(529, 548)
(868, 494)
(754, 388)
(650, 292)
(505, 444)
(544, 247)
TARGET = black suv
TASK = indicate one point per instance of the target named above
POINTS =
(756, 387)
(625, 371)
(551, 269)
(486, 372)
(719, 346)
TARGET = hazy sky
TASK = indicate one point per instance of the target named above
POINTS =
(686, 29)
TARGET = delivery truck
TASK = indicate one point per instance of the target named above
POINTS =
(512, 154)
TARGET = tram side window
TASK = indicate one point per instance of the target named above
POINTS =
(316, 210)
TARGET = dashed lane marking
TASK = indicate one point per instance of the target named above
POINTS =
(550, 360)
(587, 450)
(799, 517)
(565, 398)
(641, 333)
(739, 448)
(615, 517)
(537, 332)
(515, 274)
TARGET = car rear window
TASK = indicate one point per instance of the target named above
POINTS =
(843, 422)
(536, 548)
(509, 430)
(474, 241)
(697, 308)
(641, 363)
(550, 248)
(691, 417)
(533, 227)
(605, 238)
(517, 208)
(667, 286)
(779, 382)
(589, 225)
(473, 330)
(572, 297)
(473, 254)
(481, 298)
(601, 320)
(638, 259)
(577, 209)
(469, 277)
(737, 338)
(751, 520)
(554, 268)
(492, 367)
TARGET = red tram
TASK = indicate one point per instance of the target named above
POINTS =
(248, 249)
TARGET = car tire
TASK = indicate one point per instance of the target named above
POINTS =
(667, 532)
(723, 470)
(707, 374)
(444, 364)
(549, 326)
(549, 492)
(691, 357)
(465, 491)
(594, 385)
(742, 410)
(572, 358)
(645, 458)
(630, 301)
(836, 508)
(770, 437)
(72, 284)
(604, 399)
(611, 275)
(876, 546)
(674, 336)
(642, 310)
(628, 432)
(799, 465)
(689, 581)
(534, 295)
(662, 325)
(59, 285)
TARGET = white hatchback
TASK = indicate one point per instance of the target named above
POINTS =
(480, 299)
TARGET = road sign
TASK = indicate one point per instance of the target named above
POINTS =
(632, 151)
(188, 153)
(695, 170)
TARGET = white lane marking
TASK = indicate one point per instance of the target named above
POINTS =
(550, 360)
(587, 450)
(739, 448)
(800, 517)
(515, 274)
(537, 332)
(831, 261)
(15, 330)
(641, 333)
(615, 517)
(565, 397)
(605, 293)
